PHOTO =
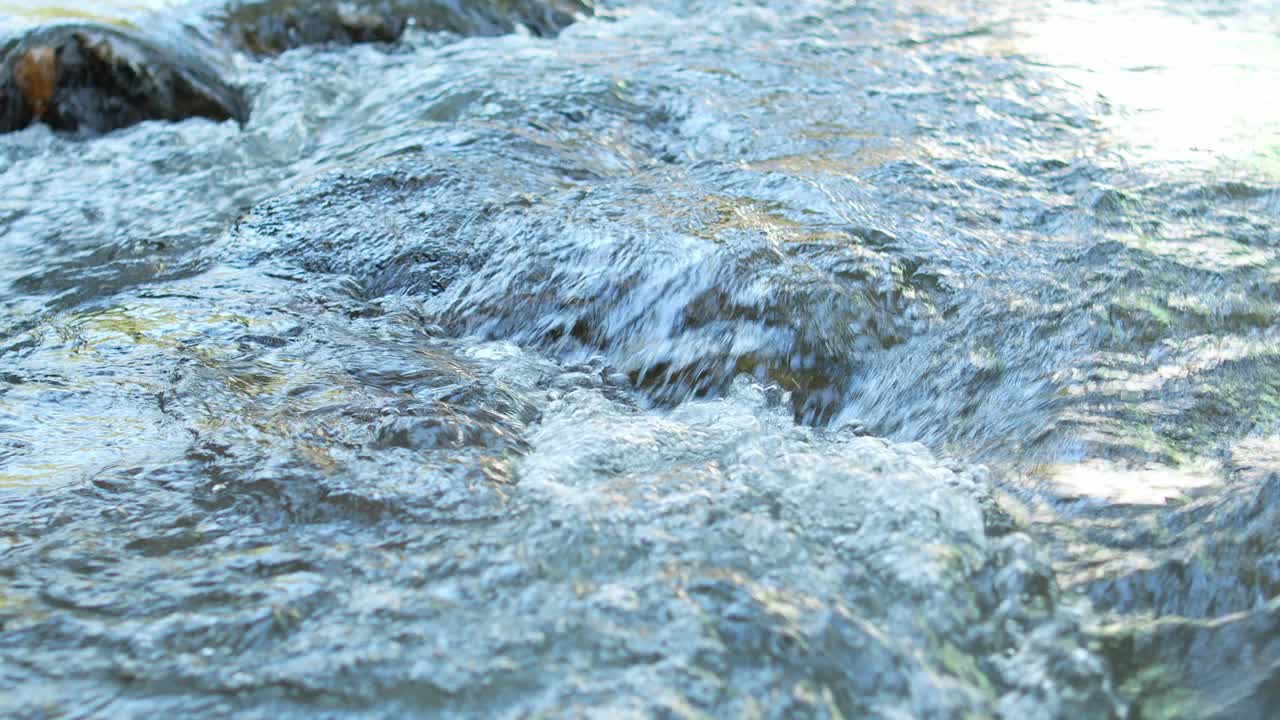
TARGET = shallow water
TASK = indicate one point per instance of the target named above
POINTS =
(790, 360)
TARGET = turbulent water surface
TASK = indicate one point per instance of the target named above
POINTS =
(667, 358)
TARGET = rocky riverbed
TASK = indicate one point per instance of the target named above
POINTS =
(669, 358)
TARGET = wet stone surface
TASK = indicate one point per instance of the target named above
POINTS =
(692, 359)
(267, 27)
(88, 80)
(91, 79)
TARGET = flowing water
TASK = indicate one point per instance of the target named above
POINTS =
(666, 358)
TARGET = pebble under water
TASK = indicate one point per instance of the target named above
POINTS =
(661, 358)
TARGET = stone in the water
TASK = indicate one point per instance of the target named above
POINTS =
(262, 29)
(36, 75)
(269, 27)
(87, 79)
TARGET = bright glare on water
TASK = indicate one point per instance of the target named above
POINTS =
(25, 13)
(1181, 88)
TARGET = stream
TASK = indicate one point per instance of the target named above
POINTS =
(644, 359)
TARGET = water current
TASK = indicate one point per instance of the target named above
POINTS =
(657, 358)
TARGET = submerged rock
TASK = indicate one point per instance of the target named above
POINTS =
(699, 289)
(473, 545)
(269, 27)
(86, 79)
(1208, 586)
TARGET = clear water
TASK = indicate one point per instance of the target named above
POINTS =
(789, 360)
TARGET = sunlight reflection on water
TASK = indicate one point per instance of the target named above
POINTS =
(1183, 88)
(16, 14)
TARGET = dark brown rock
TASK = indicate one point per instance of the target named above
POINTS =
(35, 72)
(87, 79)
(269, 27)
